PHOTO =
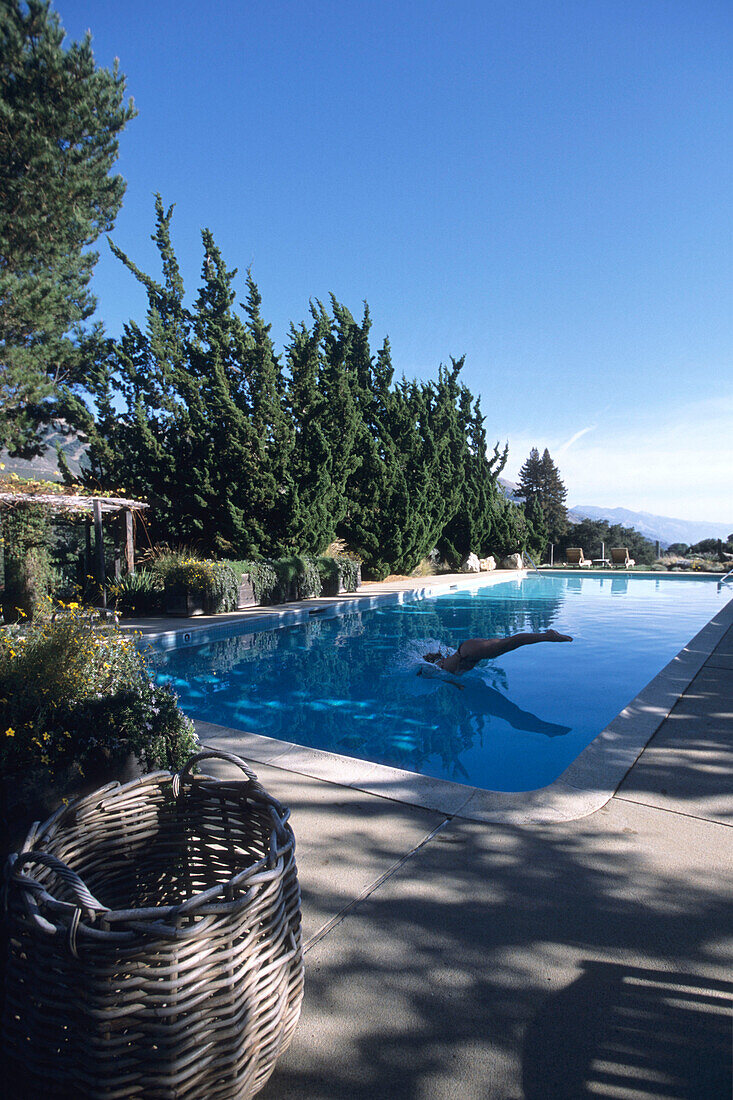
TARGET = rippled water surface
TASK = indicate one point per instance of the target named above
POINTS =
(350, 684)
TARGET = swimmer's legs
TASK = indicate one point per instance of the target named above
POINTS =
(483, 649)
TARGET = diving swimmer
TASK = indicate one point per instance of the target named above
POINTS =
(473, 650)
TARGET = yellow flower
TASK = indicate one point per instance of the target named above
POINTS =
(10, 733)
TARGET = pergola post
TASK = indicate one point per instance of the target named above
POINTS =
(117, 536)
(99, 546)
(129, 540)
(88, 559)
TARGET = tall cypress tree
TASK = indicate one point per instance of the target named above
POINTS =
(314, 464)
(272, 480)
(395, 511)
(510, 532)
(230, 448)
(150, 449)
(446, 448)
(415, 488)
(362, 392)
(204, 423)
(472, 528)
(554, 496)
(403, 515)
(530, 477)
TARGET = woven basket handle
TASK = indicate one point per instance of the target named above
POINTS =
(217, 754)
(78, 887)
(281, 815)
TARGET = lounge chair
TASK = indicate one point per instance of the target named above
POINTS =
(620, 556)
(574, 556)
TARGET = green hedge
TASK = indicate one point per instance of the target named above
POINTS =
(294, 578)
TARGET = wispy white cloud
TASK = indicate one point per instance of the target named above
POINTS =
(677, 463)
(574, 439)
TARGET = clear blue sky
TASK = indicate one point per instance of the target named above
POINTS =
(542, 186)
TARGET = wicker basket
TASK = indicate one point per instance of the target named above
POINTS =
(155, 946)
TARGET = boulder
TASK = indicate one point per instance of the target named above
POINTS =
(487, 564)
(512, 561)
(470, 564)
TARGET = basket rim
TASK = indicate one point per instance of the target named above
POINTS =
(95, 921)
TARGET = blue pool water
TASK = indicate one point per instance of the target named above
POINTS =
(349, 684)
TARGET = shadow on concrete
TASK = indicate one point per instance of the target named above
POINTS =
(503, 962)
(631, 1031)
(688, 762)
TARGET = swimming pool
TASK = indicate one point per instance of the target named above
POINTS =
(348, 684)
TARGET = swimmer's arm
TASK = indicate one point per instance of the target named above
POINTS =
(435, 673)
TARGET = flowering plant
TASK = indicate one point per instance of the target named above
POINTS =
(76, 693)
(215, 581)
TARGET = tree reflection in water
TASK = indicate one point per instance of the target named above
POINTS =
(349, 684)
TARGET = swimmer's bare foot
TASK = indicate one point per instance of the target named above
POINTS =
(553, 636)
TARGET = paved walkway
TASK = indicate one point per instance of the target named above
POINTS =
(448, 958)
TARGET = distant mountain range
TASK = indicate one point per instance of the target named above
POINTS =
(663, 529)
(46, 467)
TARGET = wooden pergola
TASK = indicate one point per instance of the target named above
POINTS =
(70, 500)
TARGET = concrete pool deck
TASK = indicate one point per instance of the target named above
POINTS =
(451, 958)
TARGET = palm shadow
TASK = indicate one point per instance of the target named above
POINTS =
(630, 1031)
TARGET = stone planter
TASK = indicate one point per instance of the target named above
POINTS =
(334, 585)
(286, 592)
(331, 585)
(246, 595)
(183, 601)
